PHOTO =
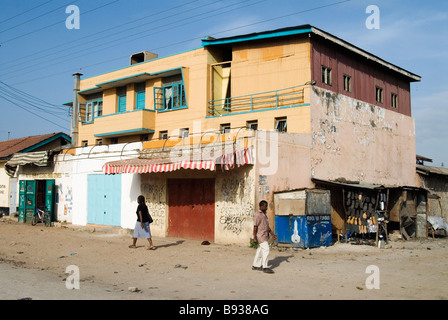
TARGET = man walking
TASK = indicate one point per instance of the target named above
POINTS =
(261, 236)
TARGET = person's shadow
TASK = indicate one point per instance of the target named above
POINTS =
(170, 244)
(274, 263)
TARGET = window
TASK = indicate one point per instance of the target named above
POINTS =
(326, 75)
(225, 128)
(94, 108)
(280, 124)
(394, 100)
(121, 93)
(347, 83)
(84, 143)
(99, 108)
(140, 95)
(184, 132)
(163, 135)
(99, 142)
(172, 95)
(89, 112)
(113, 140)
(379, 94)
(252, 125)
(144, 137)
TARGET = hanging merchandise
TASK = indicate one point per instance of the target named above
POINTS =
(360, 211)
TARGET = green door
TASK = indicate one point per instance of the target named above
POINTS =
(30, 200)
(49, 198)
(22, 191)
(28, 197)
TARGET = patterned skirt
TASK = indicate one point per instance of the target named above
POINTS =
(140, 232)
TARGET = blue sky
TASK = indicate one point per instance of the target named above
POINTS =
(39, 54)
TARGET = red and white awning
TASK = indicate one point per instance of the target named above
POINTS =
(237, 158)
(154, 165)
(138, 165)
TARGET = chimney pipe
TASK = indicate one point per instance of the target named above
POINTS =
(75, 108)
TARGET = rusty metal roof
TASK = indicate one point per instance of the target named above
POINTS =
(431, 170)
(25, 144)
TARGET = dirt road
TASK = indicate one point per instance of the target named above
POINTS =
(34, 261)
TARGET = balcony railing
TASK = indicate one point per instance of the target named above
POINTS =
(257, 102)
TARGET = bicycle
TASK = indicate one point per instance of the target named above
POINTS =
(41, 216)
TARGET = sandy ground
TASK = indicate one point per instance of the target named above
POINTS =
(33, 262)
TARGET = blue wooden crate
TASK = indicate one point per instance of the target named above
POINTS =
(304, 231)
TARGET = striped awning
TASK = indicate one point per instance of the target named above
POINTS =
(154, 165)
(139, 165)
(235, 159)
(39, 158)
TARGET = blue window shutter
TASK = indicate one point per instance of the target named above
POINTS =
(122, 103)
(140, 100)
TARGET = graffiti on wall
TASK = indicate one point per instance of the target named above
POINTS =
(66, 197)
(155, 195)
(235, 203)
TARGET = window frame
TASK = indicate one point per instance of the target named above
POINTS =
(283, 128)
(251, 123)
(177, 101)
(162, 135)
(394, 100)
(379, 94)
(326, 75)
(93, 110)
(184, 132)
(225, 128)
(346, 83)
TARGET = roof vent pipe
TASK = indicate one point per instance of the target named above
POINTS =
(142, 57)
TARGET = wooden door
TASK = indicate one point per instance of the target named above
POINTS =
(191, 208)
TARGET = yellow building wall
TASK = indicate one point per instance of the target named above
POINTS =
(267, 66)
(256, 67)
(124, 122)
(270, 65)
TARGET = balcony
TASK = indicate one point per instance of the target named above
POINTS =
(270, 100)
(125, 123)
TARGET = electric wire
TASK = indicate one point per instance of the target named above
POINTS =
(196, 38)
(58, 22)
(126, 39)
(71, 42)
(27, 110)
(29, 102)
(35, 18)
(26, 11)
(24, 67)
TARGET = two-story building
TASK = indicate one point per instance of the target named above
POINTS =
(238, 120)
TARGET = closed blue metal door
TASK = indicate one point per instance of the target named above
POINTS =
(104, 199)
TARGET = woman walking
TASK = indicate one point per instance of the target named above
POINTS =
(142, 229)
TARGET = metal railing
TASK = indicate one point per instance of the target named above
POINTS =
(257, 101)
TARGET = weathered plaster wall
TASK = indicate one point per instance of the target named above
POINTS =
(234, 205)
(282, 163)
(153, 188)
(362, 142)
(234, 201)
